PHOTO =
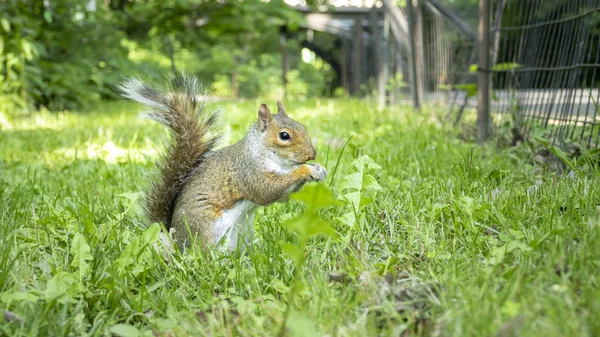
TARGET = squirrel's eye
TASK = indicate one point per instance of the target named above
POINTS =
(284, 136)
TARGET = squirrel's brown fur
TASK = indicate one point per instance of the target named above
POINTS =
(192, 129)
(213, 192)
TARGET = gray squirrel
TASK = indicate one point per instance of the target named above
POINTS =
(215, 192)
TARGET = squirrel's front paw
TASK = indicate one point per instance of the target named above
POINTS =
(317, 172)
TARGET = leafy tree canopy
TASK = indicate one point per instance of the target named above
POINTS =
(66, 54)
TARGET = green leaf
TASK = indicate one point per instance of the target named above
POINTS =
(246, 307)
(133, 205)
(124, 330)
(151, 234)
(28, 49)
(466, 204)
(298, 286)
(510, 308)
(371, 165)
(365, 162)
(542, 140)
(369, 182)
(311, 225)
(81, 253)
(560, 154)
(5, 24)
(280, 286)
(128, 256)
(364, 201)
(301, 326)
(131, 196)
(315, 195)
(319, 227)
(19, 296)
(352, 181)
(471, 89)
(473, 68)
(348, 219)
(507, 66)
(354, 199)
(293, 252)
(61, 284)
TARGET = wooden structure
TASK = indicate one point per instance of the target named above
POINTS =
(385, 48)
(360, 48)
(432, 51)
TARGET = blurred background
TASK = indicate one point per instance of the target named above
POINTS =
(542, 66)
(65, 54)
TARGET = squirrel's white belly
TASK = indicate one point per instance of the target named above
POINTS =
(238, 224)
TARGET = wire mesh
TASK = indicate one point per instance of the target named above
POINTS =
(545, 63)
(444, 55)
(547, 68)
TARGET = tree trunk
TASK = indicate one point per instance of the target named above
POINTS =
(483, 106)
(284, 62)
(171, 51)
(234, 78)
(378, 55)
(356, 71)
(345, 60)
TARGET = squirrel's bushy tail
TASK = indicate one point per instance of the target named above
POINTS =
(179, 108)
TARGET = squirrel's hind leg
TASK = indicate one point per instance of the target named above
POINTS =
(236, 225)
(233, 226)
(199, 222)
(241, 234)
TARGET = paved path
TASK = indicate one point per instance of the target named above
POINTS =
(557, 103)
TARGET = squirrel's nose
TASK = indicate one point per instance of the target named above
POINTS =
(312, 155)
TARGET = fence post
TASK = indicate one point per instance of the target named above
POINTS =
(356, 71)
(386, 54)
(378, 51)
(419, 31)
(345, 63)
(285, 66)
(484, 73)
(413, 56)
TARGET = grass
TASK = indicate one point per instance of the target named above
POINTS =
(460, 240)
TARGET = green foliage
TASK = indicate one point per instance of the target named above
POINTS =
(358, 190)
(18, 48)
(397, 81)
(67, 55)
(61, 56)
(560, 154)
(307, 225)
(471, 89)
(80, 250)
(497, 67)
(124, 330)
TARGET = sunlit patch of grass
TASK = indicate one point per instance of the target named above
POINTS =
(108, 152)
(458, 240)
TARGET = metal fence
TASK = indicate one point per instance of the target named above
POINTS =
(537, 60)
(432, 48)
(547, 68)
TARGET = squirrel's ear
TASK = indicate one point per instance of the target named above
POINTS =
(281, 108)
(264, 117)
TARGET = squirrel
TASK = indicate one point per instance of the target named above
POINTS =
(211, 193)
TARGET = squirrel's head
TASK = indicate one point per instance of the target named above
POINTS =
(285, 137)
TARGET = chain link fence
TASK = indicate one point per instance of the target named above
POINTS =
(547, 71)
(544, 67)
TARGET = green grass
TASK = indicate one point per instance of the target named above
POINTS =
(460, 240)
